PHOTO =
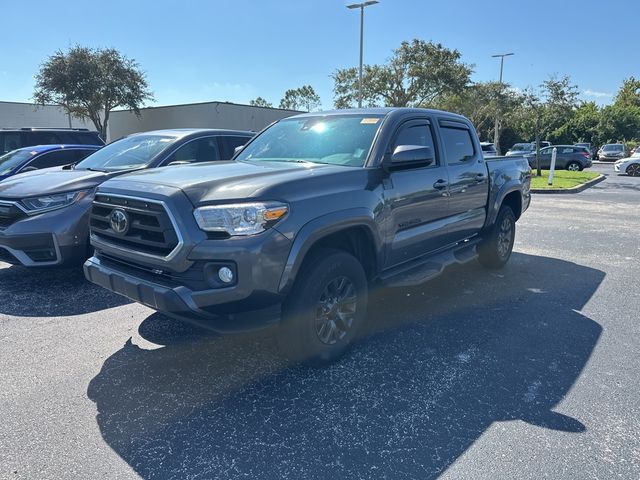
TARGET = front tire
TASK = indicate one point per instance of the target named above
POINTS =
(325, 309)
(633, 170)
(495, 250)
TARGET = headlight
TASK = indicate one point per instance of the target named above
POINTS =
(239, 218)
(52, 202)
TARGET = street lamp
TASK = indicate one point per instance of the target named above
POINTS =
(361, 6)
(496, 133)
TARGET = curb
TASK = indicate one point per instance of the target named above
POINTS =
(576, 189)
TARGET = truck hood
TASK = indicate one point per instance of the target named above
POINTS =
(49, 181)
(215, 181)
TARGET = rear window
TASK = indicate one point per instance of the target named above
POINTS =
(9, 141)
(457, 144)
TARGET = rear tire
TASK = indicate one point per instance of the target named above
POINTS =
(495, 250)
(325, 309)
(574, 167)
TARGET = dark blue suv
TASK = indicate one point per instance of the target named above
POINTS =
(28, 159)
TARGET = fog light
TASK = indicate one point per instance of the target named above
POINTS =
(225, 274)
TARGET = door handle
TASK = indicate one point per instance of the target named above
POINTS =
(480, 177)
(440, 184)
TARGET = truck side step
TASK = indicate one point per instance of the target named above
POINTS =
(421, 270)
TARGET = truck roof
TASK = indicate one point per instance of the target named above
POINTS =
(379, 111)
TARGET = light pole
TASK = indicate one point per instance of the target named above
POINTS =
(361, 6)
(496, 132)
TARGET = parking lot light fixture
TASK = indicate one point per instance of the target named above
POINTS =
(496, 133)
(361, 6)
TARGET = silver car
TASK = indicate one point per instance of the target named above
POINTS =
(612, 152)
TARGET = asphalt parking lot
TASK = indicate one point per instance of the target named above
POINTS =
(529, 372)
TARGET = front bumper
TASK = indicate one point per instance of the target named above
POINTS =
(49, 239)
(180, 302)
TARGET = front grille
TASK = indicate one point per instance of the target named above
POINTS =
(9, 214)
(149, 231)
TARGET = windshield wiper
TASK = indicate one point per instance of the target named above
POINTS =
(103, 170)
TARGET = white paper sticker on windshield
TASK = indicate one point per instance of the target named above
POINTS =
(369, 121)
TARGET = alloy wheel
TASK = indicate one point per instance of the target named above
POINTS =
(505, 237)
(336, 310)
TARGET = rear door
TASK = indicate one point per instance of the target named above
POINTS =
(468, 180)
(417, 197)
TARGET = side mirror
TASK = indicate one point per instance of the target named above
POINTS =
(411, 155)
(178, 162)
(28, 169)
(237, 150)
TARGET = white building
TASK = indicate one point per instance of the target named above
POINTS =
(125, 122)
(17, 114)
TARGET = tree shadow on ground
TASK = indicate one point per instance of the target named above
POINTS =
(439, 364)
(50, 292)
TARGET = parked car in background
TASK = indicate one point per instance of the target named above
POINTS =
(630, 165)
(488, 149)
(587, 146)
(44, 214)
(28, 159)
(14, 138)
(611, 152)
(568, 157)
(525, 148)
(312, 211)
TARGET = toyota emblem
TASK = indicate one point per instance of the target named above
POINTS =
(119, 221)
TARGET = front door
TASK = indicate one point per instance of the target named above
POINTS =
(417, 199)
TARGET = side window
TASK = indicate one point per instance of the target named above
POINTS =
(9, 141)
(545, 151)
(458, 144)
(414, 134)
(200, 150)
(228, 145)
(78, 154)
(88, 138)
(567, 150)
(54, 159)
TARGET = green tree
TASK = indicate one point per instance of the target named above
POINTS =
(89, 83)
(619, 123)
(260, 102)
(480, 103)
(629, 93)
(583, 126)
(303, 98)
(560, 103)
(418, 74)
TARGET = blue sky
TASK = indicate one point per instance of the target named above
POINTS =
(195, 51)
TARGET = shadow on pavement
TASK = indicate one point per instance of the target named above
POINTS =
(52, 292)
(440, 364)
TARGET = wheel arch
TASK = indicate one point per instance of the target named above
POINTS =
(353, 231)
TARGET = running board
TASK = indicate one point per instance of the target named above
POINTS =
(421, 270)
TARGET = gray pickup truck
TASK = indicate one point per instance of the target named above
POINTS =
(309, 215)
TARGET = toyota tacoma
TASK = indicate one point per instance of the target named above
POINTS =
(307, 217)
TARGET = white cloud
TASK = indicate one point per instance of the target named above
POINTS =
(593, 93)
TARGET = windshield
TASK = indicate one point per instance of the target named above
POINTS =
(521, 146)
(11, 160)
(337, 140)
(612, 148)
(128, 153)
